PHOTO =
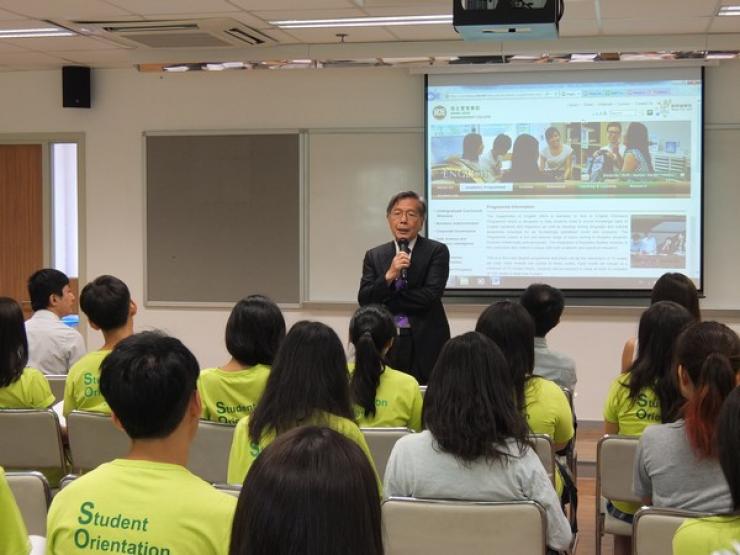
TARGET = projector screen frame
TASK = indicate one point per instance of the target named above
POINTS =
(584, 297)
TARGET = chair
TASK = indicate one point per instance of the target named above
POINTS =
(56, 383)
(653, 530)
(433, 527)
(544, 449)
(381, 442)
(94, 440)
(423, 390)
(231, 489)
(32, 495)
(209, 453)
(31, 439)
(615, 457)
(66, 480)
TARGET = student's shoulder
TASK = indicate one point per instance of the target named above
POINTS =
(207, 498)
(88, 361)
(32, 374)
(400, 379)
(543, 386)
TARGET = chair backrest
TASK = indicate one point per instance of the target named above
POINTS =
(66, 480)
(653, 530)
(231, 489)
(381, 442)
(31, 439)
(430, 527)
(94, 440)
(209, 453)
(56, 383)
(423, 390)
(31, 492)
(615, 456)
(544, 449)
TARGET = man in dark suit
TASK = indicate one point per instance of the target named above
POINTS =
(410, 284)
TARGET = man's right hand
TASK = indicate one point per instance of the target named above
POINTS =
(400, 261)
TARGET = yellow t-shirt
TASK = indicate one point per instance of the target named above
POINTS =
(13, 535)
(632, 416)
(30, 391)
(128, 506)
(398, 402)
(244, 451)
(714, 535)
(82, 388)
(228, 397)
(548, 412)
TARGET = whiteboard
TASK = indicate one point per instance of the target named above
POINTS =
(351, 176)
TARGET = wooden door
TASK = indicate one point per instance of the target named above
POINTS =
(21, 219)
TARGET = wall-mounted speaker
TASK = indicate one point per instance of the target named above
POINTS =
(75, 87)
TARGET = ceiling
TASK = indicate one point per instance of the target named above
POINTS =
(609, 24)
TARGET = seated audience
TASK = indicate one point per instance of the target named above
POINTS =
(382, 396)
(671, 286)
(312, 491)
(542, 402)
(253, 334)
(308, 385)
(21, 387)
(147, 502)
(676, 464)
(718, 534)
(53, 346)
(475, 445)
(545, 305)
(107, 303)
(648, 393)
(14, 538)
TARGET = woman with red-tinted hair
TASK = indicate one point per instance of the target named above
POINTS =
(676, 464)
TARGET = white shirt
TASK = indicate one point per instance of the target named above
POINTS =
(53, 347)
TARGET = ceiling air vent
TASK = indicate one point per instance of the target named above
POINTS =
(194, 33)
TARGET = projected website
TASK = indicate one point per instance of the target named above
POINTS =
(584, 185)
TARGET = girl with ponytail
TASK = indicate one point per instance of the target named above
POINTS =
(718, 534)
(676, 464)
(382, 397)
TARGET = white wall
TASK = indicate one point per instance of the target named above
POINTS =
(127, 103)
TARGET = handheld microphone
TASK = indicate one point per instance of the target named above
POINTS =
(403, 246)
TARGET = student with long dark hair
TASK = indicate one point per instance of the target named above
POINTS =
(21, 387)
(541, 401)
(475, 444)
(676, 464)
(671, 286)
(648, 393)
(525, 161)
(308, 385)
(718, 534)
(383, 397)
(311, 491)
(254, 331)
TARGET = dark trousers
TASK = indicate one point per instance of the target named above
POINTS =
(401, 355)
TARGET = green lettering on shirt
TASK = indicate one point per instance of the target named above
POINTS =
(85, 510)
(254, 449)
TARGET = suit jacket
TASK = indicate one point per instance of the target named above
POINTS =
(421, 301)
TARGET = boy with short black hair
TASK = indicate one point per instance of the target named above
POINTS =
(148, 501)
(53, 346)
(107, 303)
(545, 304)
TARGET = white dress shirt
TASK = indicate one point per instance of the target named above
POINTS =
(53, 347)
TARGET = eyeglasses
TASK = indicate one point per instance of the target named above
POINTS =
(409, 214)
